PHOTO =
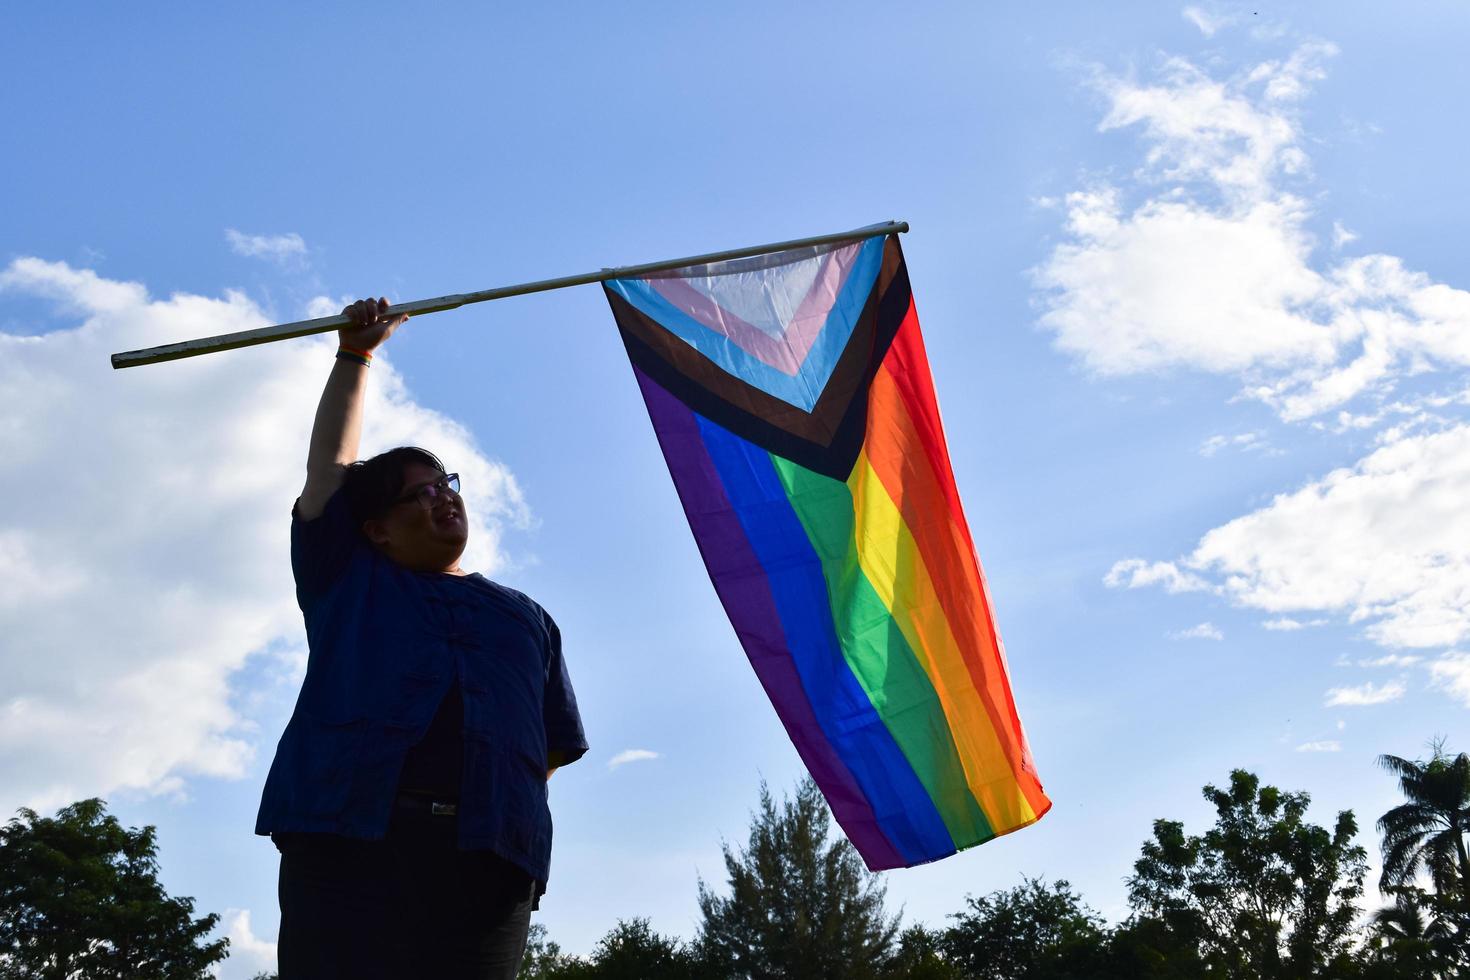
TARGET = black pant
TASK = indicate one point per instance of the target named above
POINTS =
(408, 907)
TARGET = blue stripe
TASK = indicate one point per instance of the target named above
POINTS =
(805, 387)
(899, 801)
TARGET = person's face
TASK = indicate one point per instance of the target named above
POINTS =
(425, 539)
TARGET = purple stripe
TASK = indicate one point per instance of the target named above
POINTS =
(745, 593)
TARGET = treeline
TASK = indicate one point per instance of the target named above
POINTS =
(1264, 893)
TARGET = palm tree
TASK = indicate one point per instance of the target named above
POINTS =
(1427, 833)
(1411, 938)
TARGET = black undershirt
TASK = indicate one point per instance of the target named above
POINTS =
(435, 766)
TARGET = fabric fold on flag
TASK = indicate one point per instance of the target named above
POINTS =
(792, 399)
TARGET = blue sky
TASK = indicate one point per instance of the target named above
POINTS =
(1192, 282)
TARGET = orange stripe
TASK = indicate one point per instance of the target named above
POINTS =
(905, 446)
(916, 387)
(889, 558)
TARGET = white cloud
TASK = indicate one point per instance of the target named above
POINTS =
(630, 755)
(1204, 631)
(1385, 542)
(1364, 694)
(1208, 21)
(1391, 660)
(1452, 673)
(1206, 260)
(320, 306)
(249, 954)
(1245, 441)
(1135, 573)
(280, 249)
(1214, 269)
(1325, 745)
(1285, 624)
(1234, 136)
(144, 536)
(1172, 285)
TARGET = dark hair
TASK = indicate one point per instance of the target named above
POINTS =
(372, 486)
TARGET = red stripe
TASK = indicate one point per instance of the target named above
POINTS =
(905, 444)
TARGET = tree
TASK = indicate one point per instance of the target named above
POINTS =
(920, 956)
(1147, 948)
(800, 905)
(1029, 932)
(633, 951)
(1428, 831)
(79, 897)
(1263, 893)
(630, 951)
(544, 960)
(1417, 937)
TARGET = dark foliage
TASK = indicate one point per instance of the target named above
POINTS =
(1029, 932)
(1421, 936)
(801, 904)
(79, 897)
(633, 951)
(544, 959)
(1146, 948)
(920, 956)
(1263, 893)
(1425, 933)
(1428, 832)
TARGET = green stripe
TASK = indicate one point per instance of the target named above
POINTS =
(877, 653)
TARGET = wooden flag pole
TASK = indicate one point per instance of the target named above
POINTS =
(303, 328)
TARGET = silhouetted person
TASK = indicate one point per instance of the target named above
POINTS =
(408, 792)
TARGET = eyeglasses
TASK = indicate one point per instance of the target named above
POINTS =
(428, 494)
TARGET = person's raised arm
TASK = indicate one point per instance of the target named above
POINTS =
(338, 427)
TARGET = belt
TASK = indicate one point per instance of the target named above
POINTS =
(426, 804)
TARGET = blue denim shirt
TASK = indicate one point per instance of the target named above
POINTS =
(385, 644)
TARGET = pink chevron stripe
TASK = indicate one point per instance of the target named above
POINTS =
(788, 353)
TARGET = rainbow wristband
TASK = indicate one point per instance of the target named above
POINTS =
(355, 356)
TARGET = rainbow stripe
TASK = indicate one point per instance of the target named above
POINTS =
(826, 511)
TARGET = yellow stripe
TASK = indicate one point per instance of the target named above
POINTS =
(890, 559)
